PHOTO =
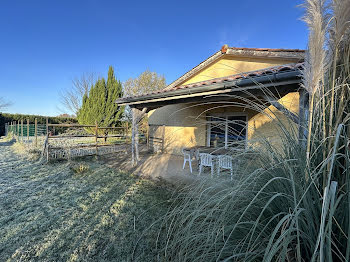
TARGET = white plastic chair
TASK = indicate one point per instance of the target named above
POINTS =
(187, 158)
(225, 162)
(206, 160)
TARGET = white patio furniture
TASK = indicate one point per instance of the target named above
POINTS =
(187, 158)
(225, 162)
(206, 160)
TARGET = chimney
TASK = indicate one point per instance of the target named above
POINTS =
(224, 49)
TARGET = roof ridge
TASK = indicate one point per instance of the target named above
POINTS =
(266, 49)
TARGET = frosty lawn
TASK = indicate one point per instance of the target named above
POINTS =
(56, 212)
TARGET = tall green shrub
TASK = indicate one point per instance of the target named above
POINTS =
(99, 105)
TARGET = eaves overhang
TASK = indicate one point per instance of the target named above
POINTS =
(275, 79)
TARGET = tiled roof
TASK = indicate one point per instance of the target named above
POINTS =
(265, 49)
(245, 75)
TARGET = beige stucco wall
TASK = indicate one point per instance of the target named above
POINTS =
(230, 65)
(185, 124)
(270, 122)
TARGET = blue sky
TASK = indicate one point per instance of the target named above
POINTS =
(45, 44)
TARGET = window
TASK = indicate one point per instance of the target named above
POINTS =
(227, 130)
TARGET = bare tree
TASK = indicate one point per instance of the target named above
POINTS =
(146, 82)
(4, 104)
(71, 98)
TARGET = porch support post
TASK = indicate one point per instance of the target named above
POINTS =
(133, 140)
(284, 110)
(137, 116)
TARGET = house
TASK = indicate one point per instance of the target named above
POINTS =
(211, 105)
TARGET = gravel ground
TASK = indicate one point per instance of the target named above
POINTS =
(77, 211)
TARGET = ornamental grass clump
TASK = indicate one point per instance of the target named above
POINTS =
(79, 168)
(290, 203)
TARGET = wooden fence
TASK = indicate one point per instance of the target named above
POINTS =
(155, 138)
(80, 148)
(55, 146)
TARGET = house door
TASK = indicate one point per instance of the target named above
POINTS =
(227, 130)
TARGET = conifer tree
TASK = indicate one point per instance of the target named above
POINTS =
(99, 104)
